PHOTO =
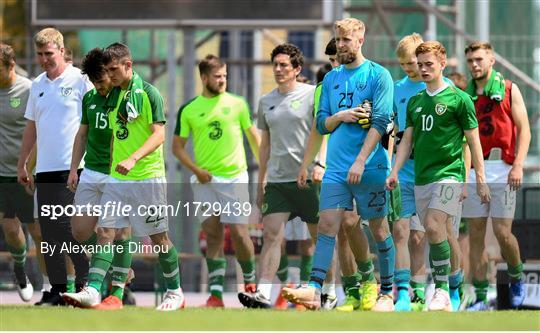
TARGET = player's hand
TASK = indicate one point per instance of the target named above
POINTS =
(352, 115)
(355, 172)
(30, 187)
(260, 195)
(391, 181)
(317, 174)
(22, 176)
(125, 166)
(482, 189)
(464, 193)
(515, 177)
(73, 180)
(301, 180)
(203, 176)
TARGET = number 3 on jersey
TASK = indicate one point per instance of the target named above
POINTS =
(101, 121)
(427, 122)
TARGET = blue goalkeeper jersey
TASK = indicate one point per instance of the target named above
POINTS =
(347, 88)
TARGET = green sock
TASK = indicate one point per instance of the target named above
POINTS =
(306, 262)
(418, 289)
(92, 240)
(283, 269)
(170, 267)
(216, 276)
(439, 259)
(248, 270)
(18, 255)
(70, 286)
(366, 270)
(99, 265)
(515, 272)
(351, 285)
(120, 266)
(480, 289)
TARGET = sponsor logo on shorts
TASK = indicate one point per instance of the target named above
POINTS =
(15, 102)
(264, 208)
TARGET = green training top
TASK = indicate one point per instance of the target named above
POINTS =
(130, 136)
(438, 127)
(217, 124)
(98, 143)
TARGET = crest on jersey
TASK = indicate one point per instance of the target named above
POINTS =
(440, 108)
(66, 91)
(226, 110)
(296, 104)
(361, 85)
(15, 102)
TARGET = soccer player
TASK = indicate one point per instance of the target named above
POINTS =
(352, 243)
(137, 178)
(437, 119)
(357, 164)
(217, 119)
(53, 113)
(285, 116)
(505, 136)
(94, 139)
(16, 205)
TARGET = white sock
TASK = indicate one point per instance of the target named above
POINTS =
(265, 287)
(46, 284)
(329, 289)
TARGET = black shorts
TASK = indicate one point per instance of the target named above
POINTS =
(14, 201)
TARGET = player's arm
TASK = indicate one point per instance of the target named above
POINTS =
(28, 141)
(254, 140)
(403, 152)
(264, 156)
(521, 121)
(313, 147)
(79, 147)
(179, 150)
(381, 119)
(477, 158)
(467, 163)
(153, 142)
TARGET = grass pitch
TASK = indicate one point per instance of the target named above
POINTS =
(136, 318)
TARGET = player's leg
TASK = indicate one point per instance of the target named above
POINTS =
(417, 248)
(328, 228)
(478, 256)
(502, 228)
(463, 240)
(306, 248)
(350, 278)
(70, 274)
(455, 279)
(121, 265)
(283, 268)
(215, 260)
(16, 244)
(401, 234)
(245, 254)
(359, 244)
(273, 230)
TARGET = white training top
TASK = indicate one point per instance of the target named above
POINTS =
(56, 107)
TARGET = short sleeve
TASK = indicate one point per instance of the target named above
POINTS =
(261, 120)
(466, 113)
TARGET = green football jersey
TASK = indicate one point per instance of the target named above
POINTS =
(98, 143)
(438, 127)
(217, 126)
(128, 137)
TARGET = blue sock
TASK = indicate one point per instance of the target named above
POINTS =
(402, 280)
(322, 259)
(455, 280)
(387, 256)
